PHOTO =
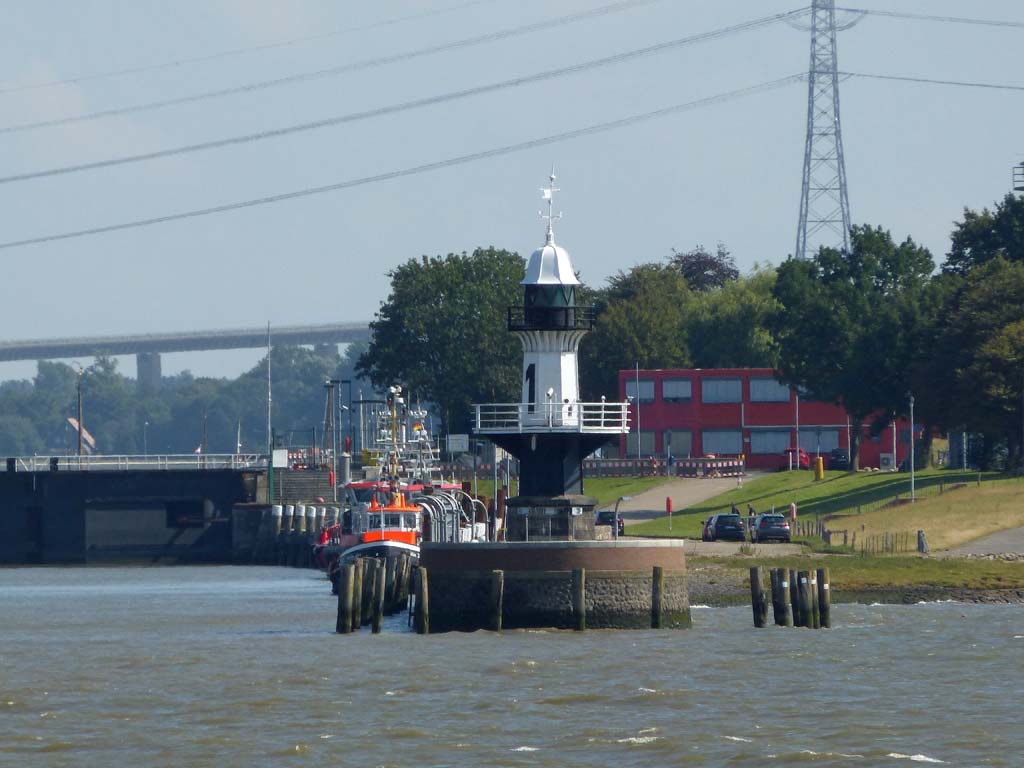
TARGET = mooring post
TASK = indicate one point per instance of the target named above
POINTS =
(497, 599)
(815, 614)
(794, 597)
(369, 580)
(657, 596)
(357, 593)
(388, 598)
(775, 575)
(804, 581)
(784, 599)
(578, 599)
(824, 598)
(345, 587)
(378, 598)
(422, 601)
(757, 598)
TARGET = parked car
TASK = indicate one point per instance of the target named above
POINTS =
(795, 458)
(727, 527)
(770, 526)
(839, 459)
(610, 517)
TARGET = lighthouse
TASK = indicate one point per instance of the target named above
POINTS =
(549, 430)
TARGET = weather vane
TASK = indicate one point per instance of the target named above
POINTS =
(548, 193)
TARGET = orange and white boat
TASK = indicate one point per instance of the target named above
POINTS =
(382, 530)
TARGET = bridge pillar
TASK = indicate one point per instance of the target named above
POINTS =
(147, 366)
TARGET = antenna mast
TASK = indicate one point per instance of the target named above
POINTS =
(824, 203)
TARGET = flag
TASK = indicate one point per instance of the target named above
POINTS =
(199, 449)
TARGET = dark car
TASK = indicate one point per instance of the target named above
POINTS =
(727, 528)
(770, 526)
(607, 516)
(839, 459)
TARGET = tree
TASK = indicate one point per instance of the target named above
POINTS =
(704, 271)
(640, 321)
(848, 324)
(725, 327)
(981, 237)
(442, 332)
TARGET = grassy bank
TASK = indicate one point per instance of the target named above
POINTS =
(839, 491)
(605, 489)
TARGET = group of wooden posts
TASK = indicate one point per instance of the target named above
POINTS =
(798, 598)
(370, 588)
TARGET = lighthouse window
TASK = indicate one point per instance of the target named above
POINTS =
(646, 390)
(714, 390)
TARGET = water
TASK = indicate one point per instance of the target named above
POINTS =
(240, 667)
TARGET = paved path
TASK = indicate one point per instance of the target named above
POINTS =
(684, 492)
(1008, 541)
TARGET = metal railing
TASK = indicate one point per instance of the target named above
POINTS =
(551, 318)
(187, 461)
(610, 418)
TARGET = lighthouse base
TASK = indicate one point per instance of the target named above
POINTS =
(550, 464)
(543, 518)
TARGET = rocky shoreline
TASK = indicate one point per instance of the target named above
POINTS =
(717, 586)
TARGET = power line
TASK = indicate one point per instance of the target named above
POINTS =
(408, 105)
(459, 160)
(320, 74)
(239, 51)
(927, 17)
(930, 81)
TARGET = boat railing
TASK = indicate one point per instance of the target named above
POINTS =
(602, 417)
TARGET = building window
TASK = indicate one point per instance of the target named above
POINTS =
(727, 442)
(646, 444)
(721, 391)
(769, 441)
(676, 390)
(646, 390)
(814, 440)
(765, 390)
(680, 441)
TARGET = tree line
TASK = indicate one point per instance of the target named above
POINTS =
(865, 328)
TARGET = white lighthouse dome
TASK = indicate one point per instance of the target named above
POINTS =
(550, 265)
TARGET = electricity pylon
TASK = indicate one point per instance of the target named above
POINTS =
(824, 204)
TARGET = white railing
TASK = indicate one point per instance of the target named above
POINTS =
(608, 418)
(187, 461)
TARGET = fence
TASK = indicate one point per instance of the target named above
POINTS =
(654, 467)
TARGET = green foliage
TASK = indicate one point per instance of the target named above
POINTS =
(982, 237)
(442, 332)
(704, 271)
(726, 327)
(848, 324)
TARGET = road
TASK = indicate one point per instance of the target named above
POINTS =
(1003, 542)
(686, 492)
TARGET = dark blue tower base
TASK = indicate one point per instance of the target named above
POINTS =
(550, 464)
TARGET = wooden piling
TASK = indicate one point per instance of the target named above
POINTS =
(657, 596)
(358, 569)
(815, 615)
(784, 587)
(824, 598)
(378, 598)
(369, 579)
(388, 597)
(579, 598)
(758, 599)
(804, 581)
(345, 591)
(794, 597)
(422, 601)
(497, 598)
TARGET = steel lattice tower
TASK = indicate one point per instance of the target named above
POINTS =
(824, 205)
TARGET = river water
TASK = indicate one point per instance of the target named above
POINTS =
(240, 667)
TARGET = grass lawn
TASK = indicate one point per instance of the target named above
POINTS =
(837, 492)
(954, 518)
(605, 489)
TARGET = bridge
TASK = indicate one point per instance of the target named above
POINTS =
(148, 347)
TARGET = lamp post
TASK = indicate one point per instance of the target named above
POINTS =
(145, 445)
(348, 432)
(615, 521)
(333, 413)
(912, 448)
(78, 389)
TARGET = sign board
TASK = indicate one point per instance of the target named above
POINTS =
(458, 443)
(280, 458)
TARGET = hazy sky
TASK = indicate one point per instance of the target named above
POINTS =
(916, 154)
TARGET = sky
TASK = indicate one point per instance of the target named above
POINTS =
(729, 172)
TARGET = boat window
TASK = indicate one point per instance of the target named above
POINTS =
(392, 520)
(410, 522)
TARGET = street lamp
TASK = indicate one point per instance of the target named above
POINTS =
(78, 388)
(911, 447)
(615, 521)
(145, 446)
(349, 409)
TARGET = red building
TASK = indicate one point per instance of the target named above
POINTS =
(693, 412)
